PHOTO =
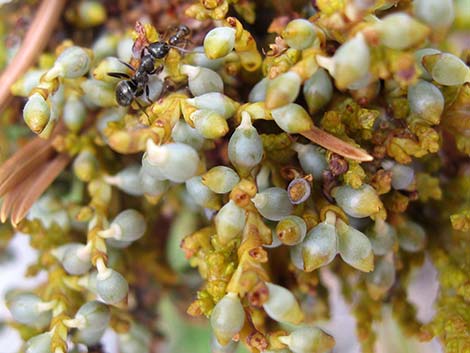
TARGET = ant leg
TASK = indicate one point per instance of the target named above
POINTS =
(147, 94)
(157, 70)
(128, 65)
(142, 108)
(118, 75)
(181, 49)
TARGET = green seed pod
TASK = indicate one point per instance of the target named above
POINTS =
(312, 159)
(318, 90)
(359, 203)
(402, 176)
(176, 161)
(227, 318)
(426, 101)
(209, 124)
(282, 90)
(27, 82)
(282, 305)
(292, 118)
(245, 148)
(74, 114)
(401, 31)
(111, 286)
(107, 65)
(129, 225)
(308, 340)
(202, 80)
(318, 248)
(26, 309)
(216, 102)
(85, 166)
(216, 347)
(90, 14)
(381, 279)
(291, 230)
(411, 236)
(350, 63)
(220, 179)
(39, 344)
(137, 339)
(382, 237)
(202, 195)
(446, 69)
(299, 34)
(273, 203)
(219, 42)
(437, 14)
(354, 247)
(184, 133)
(152, 186)
(99, 93)
(419, 54)
(73, 62)
(258, 92)
(105, 46)
(229, 222)
(75, 258)
(37, 113)
(185, 223)
(127, 180)
(199, 58)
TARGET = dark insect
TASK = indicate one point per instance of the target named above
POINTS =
(136, 85)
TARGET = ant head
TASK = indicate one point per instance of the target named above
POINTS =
(184, 30)
(158, 50)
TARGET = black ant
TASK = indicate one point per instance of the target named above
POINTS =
(136, 85)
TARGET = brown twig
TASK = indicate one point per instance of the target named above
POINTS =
(34, 42)
(336, 145)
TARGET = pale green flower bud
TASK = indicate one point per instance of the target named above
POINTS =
(152, 186)
(318, 90)
(217, 102)
(74, 113)
(308, 340)
(99, 93)
(282, 305)
(245, 148)
(292, 118)
(291, 230)
(438, 14)
(127, 180)
(107, 65)
(124, 49)
(209, 124)
(176, 161)
(382, 237)
(150, 169)
(411, 236)
(39, 344)
(229, 222)
(354, 247)
(312, 159)
(201, 194)
(318, 248)
(90, 13)
(199, 58)
(111, 286)
(359, 203)
(188, 135)
(282, 90)
(216, 347)
(299, 34)
(381, 279)
(219, 42)
(75, 258)
(91, 320)
(227, 318)
(129, 225)
(37, 113)
(105, 46)
(73, 62)
(447, 69)
(419, 54)
(403, 176)
(220, 179)
(401, 31)
(26, 309)
(202, 80)
(137, 339)
(85, 166)
(426, 101)
(258, 92)
(27, 82)
(273, 203)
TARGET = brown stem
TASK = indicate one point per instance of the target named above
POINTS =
(34, 42)
(336, 145)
